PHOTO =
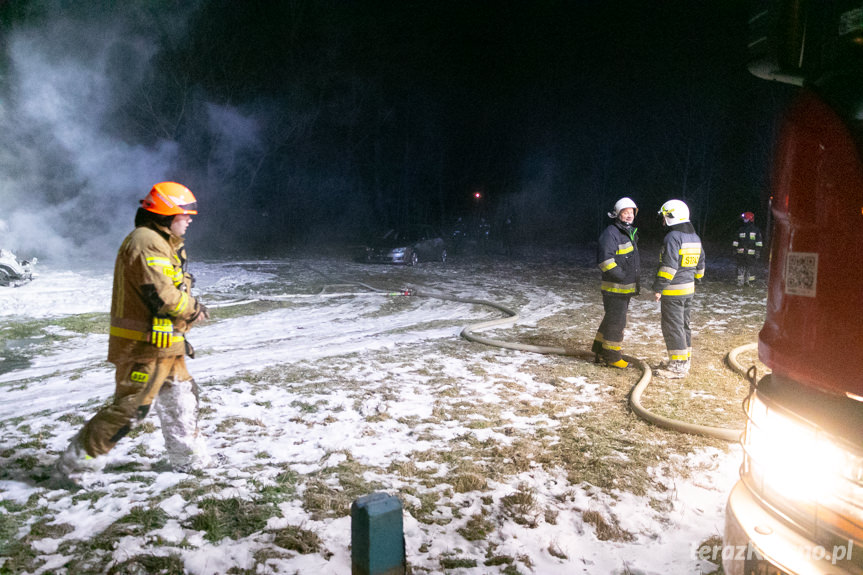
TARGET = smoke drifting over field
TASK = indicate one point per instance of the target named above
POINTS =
(306, 121)
(72, 171)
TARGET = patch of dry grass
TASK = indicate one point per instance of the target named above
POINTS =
(607, 529)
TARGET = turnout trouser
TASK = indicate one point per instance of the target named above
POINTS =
(609, 337)
(745, 269)
(138, 384)
(675, 326)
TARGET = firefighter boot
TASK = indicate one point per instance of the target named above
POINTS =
(620, 363)
(674, 369)
(73, 466)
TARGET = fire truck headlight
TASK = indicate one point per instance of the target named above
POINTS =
(789, 454)
(809, 475)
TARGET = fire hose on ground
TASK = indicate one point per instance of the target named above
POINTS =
(638, 389)
(510, 317)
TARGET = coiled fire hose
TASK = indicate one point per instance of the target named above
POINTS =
(638, 389)
(510, 317)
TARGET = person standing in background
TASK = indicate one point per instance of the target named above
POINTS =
(747, 249)
(681, 262)
(618, 259)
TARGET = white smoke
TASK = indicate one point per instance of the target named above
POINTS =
(68, 184)
(235, 140)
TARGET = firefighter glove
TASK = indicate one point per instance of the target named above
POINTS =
(163, 329)
(201, 313)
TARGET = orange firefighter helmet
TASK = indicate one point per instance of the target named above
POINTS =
(170, 199)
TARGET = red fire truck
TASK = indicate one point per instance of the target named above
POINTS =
(798, 507)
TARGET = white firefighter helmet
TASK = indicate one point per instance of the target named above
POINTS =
(674, 212)
(622, 204)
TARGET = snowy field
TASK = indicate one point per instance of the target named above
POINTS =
(318, 390)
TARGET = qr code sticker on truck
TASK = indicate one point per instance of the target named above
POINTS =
(801, 273)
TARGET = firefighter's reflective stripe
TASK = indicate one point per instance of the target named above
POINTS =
(680, 289)
(155, 261)
(181, 305)
(128, 333)
(666, 272)
(612, 287)
(679, 354)
(173, 272)
(178, 276)
(615, 345)
(139, 335)
(610, 264)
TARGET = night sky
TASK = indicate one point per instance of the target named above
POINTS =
(307, 122)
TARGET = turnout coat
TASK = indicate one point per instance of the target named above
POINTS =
(617, 257)
(681, 262)
(152, 297)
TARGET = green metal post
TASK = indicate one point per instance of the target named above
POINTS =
(377, 536)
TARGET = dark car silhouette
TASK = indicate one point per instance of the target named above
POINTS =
(409, 246)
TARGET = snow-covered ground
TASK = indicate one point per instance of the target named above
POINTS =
(320, 379)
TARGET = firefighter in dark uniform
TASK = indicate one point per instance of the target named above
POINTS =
(617, 258)
(747, 249)
(681, 262)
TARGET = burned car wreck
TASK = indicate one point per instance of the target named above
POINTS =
(13, 271)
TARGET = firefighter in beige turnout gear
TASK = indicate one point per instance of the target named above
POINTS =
(152, 309)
